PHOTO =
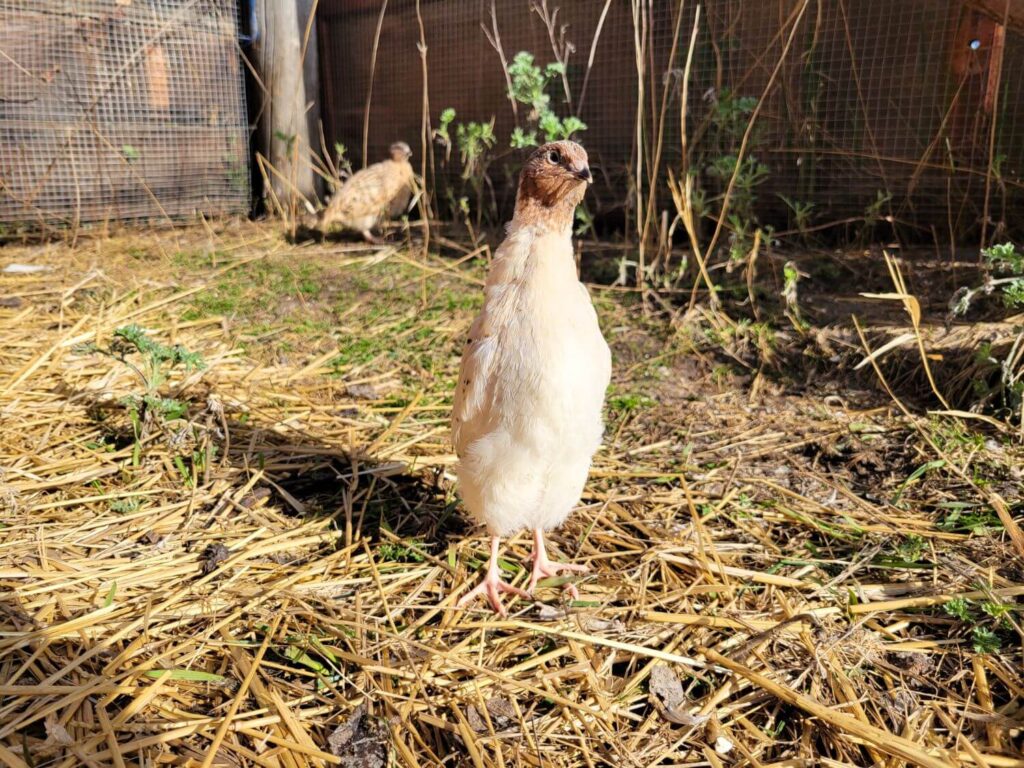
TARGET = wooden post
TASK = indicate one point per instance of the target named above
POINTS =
(288, 131)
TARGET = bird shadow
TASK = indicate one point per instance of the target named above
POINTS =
(302, 473)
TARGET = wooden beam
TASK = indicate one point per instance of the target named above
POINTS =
(996, 9)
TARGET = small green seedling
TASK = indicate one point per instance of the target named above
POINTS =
(1004, 266)
(153, 363)
(985, 619)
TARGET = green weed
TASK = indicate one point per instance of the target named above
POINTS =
(629, 403)
(153, 363)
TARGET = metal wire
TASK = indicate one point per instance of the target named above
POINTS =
(882, 111)
(120, 109)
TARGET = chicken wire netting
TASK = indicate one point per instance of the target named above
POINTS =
(907, 114)
(120, 110)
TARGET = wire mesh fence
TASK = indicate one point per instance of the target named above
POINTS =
(120, 109)
(908, 114)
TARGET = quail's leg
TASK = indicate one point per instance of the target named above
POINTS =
(492, 585)
(369, 237)
(543, 567)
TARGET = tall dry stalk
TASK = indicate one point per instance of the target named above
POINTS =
(640, 21)
(913, 310)
(308, 32)
(426, 145)
(369, 90)
(653, 171)
(861, 101)
(593, 52)
(560, 46)
(494, 38)
(1000, 35)
(306, 35)
(681, 195)
(682, 189)
(793, 22)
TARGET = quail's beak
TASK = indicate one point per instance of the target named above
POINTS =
(583, 174)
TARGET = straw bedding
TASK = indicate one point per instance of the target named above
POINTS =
(268, 580)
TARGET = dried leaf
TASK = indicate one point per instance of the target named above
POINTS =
(500, 711)
(213, 555)
(362, 391)
(910, 302)
(547, 612)
(595, 624)
(258, 494)
(669, 699)
(476, 722)
(900, 340)
(361, 742)
(57, 733)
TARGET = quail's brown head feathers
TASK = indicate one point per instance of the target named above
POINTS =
(400, 151)
(552, 183)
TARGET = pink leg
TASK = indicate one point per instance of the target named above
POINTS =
(492, 585)
(543, 568)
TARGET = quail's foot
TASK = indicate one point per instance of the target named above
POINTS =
(492, 586)
(544, 568)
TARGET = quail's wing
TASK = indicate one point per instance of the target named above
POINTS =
(398, 204)
(400, 185)
(475, 386)
(366, 193)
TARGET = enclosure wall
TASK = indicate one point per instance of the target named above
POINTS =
(877, 111)
(120, 109)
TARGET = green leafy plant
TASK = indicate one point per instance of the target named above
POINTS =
(585, 222)
(153, 363)
(790, 280)
(521, 139)
(989, 621)
(963, 518)
(718, 164)
(874, 213)
(911, 549)
(399, 552)
(731, 113)
(475, 141)
(441, 133)
(342, 165)
(1004, 277)
(123, 506)
(958, 608)
(629, 402)
(803, 213)
(984, 640)
(529, 83)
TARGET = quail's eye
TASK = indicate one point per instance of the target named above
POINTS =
(554, 157)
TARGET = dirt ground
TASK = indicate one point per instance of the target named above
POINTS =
(243, 550)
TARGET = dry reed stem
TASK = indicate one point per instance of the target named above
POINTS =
(369, 89)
